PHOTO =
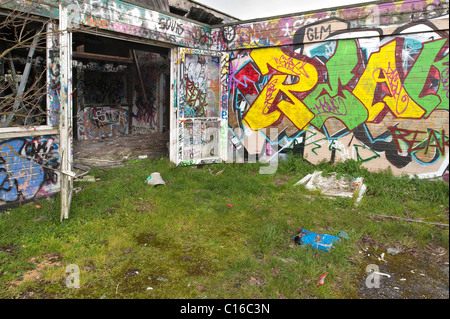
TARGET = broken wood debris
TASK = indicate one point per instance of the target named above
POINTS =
(334, 185)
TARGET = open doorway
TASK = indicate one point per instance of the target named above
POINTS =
(121, 98)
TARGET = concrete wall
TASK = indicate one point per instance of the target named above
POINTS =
(369, 83)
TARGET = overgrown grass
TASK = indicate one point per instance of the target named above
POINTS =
(229, 233)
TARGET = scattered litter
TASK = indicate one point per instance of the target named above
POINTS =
(220, 172)
(321, 279)
(381, 258)
(155, 179)
(322, 242)
(334, 186)
(201, 288)
(402, 279)
(142, 156)
(394, 251)
(162, 279)
(343, 234)
(149, 288)
(288, 260)
(37, 206)
(229, 205)
(87, 178)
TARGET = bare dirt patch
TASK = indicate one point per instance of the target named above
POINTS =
(406, 274)
(40, 264)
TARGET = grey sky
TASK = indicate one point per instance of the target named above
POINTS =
(251, 9)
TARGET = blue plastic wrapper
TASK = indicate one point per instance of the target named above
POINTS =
(322, 242)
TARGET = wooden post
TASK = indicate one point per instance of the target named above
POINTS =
(65, 122)
(173, 129)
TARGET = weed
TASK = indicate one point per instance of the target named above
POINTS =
(229, 233)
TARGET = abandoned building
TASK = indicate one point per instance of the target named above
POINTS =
(366, 82)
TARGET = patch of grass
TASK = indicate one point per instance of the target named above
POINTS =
(230, 233)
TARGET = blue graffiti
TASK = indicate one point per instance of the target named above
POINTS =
(22, 167)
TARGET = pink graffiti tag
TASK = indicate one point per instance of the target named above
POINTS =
(392, 79)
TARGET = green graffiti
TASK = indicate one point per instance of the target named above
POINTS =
(425, 74)
(332, 99)
(359, 157)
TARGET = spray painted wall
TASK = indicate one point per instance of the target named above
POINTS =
(153, 68)
(102, 109)
(29, 161)
(28, 168)
(369, 83)
(375, 95)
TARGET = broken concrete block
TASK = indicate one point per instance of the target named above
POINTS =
(333, 186)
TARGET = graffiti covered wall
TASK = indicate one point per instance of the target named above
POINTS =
(126, 18)
(376, 95)
(203, 106)
(149, 91)
(28, 168)
(101, 104)
(369, 83)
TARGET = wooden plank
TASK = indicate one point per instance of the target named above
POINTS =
(26, 133)
(141, 83)
(102, 57)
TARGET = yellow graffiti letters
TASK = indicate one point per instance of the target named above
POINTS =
(264, 111)
(381, 86)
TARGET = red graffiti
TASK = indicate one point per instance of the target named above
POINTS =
(415, 141)
(245, 80)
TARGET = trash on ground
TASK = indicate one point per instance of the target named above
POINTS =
(143, 156)
(155, 179)
(343, 234)
(220, 172)
(87, 178)
(321, 279)
(288, 260)
(394, 251)
(334, 186)
(322, 242)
